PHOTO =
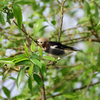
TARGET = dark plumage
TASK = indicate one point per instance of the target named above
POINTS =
(55, 48)
(61, 46)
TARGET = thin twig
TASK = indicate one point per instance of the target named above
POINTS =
(76, 39)
(17, 53)
(93, 30)
(63, 80)
(97, 4)
(28, 37)
(76, 89)
(73, 28)
(58, 67)
(61, 19)
(89, 83)
(52, 96)
(86, 86)
(84, 32)
(90, 40)
(64, 11)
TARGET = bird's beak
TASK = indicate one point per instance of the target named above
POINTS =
(35, 41)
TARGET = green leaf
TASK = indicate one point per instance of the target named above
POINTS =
(2, 18)
(36, 62)
(86, 8)
(30, 70)
(92, 1)
(77, 67)
(9, 44)
(23, 62)
(96, 13)
(20, 76)
(40, 51)
(43, 27)
(26, 50)
(12, 78)
(70, 96)
(37, 26)
(20, 58)
(33, 47)
(82, 57)
(91, 66)
(38, 79)
(34, 56)
(30, 84)
(98, 59)
(83, 20)
(92, 59)
(53, 22)
(7, 60)
(18, 14)
(36, 69)
(23, 2)
(6, 91)
(44, 68)
(49, 58)
(37, 14)
(10, 15)
(2, 37)
(98, 23)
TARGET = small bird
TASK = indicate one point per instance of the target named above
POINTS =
(55, 49)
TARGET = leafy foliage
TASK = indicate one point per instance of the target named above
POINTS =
(23, 61)
(18, 14)
(6, 91)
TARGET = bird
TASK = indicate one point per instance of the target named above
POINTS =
(55, 49)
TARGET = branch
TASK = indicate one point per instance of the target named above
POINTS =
(73, 28)
(64, 79)
(17, 53)
(42, 88)
(64, 11)
(97, 5)
(28, 37)
(58, 67)
(69, 35)
(86, 86)
(90, 40)
(93, 30)
(89, 83)
(61, 19)
(76, 39)
(52, 96)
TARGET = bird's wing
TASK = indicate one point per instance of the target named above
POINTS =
(56, 45)
(61, 46)
(70, 48)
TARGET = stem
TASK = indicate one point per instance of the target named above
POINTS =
(61, 19)
(42, 88)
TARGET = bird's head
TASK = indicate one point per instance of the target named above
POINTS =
(42, 42)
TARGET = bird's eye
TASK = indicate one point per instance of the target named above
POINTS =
(41, 42)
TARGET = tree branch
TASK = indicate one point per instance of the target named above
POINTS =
(42, 88)
(86, 86)
(93, 30)
(97, 5)
(28, 37)
(52, 96)
(61, 19)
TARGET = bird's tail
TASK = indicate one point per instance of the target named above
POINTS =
(72, 48)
